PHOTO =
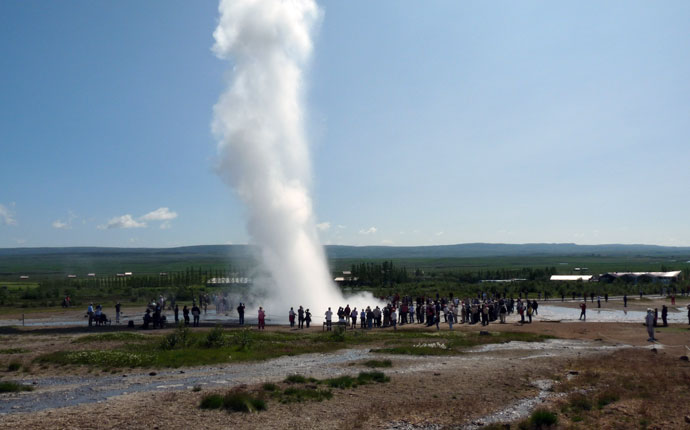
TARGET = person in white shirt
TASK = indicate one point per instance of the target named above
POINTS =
(329, 316)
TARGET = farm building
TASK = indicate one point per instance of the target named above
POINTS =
(583, 278)
(665, 277)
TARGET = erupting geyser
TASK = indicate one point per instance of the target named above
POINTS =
(264, 154)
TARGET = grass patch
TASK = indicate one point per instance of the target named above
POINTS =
(363, 378)
(112, 337)
(301, 394)
(103, 359)
(296, 379)
(14, 351)
(540, 419)
(13, 387)
(233, 401)
(14, 366)
(378, 363)
(580, 402)
(606, 398)
(269, 386)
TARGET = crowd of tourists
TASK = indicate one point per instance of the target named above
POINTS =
(399, 310)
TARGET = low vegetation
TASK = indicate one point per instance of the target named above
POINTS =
(13, 387)
(233, 401)
(188, 347)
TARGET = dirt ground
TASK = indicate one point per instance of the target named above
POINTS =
(424, 392)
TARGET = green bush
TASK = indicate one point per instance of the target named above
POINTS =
(211, 401)
(293, 394)
(233, 401)
(215, 338)
(378, 363)
(244, 339)
(542, 418)
(296, 379)
(607, 397)
(13, 387)
(376, 376)
(179, 339)
(14, 366)
(580, 402)
(269, 386)
(342, 382)
(243, 402)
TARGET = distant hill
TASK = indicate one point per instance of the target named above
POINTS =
(465, 250)
(81, 260)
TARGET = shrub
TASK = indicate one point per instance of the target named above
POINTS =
(14, 366)
(580, 402)
(13, 387)
(233, 401)
(542, 418)
(296, 379)
(243, 402)
(293, 394)
(607, 397)
(342, 382)
(179, 339)
(211, 401)
(215, 338)
(378, 363)
(338, 333)
(244, 339)
(376, 376)
(269, 386)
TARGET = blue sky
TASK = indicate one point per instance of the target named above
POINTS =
(454, 122)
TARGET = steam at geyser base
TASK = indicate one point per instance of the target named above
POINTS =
(264, 154)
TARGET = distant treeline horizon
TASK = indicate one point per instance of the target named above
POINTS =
(462, 250)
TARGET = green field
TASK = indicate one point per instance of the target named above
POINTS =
(188, 269)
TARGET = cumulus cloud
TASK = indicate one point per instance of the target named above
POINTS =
(64, 225)
(370, 230)
(127, 221)
(160, 214)
(60, 225)
(124, 221)
(323, 226)
(7, 216)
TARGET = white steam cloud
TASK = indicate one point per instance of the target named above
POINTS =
(264, 154)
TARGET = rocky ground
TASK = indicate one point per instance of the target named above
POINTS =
(492, 383)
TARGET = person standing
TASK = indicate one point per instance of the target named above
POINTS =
(196, 312)
(649, 322)
(307, 317)
(329, 317)
(394, 319)
(291, 317)
(664, 315)
(177, 313)
(117, 313)
(688, 313)
(300, 317)
(240, 312)
(185, 314)
(625, 300)
(353, 317)
(262, 319)
(598, 301)
(583, 310)
(89, 312)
